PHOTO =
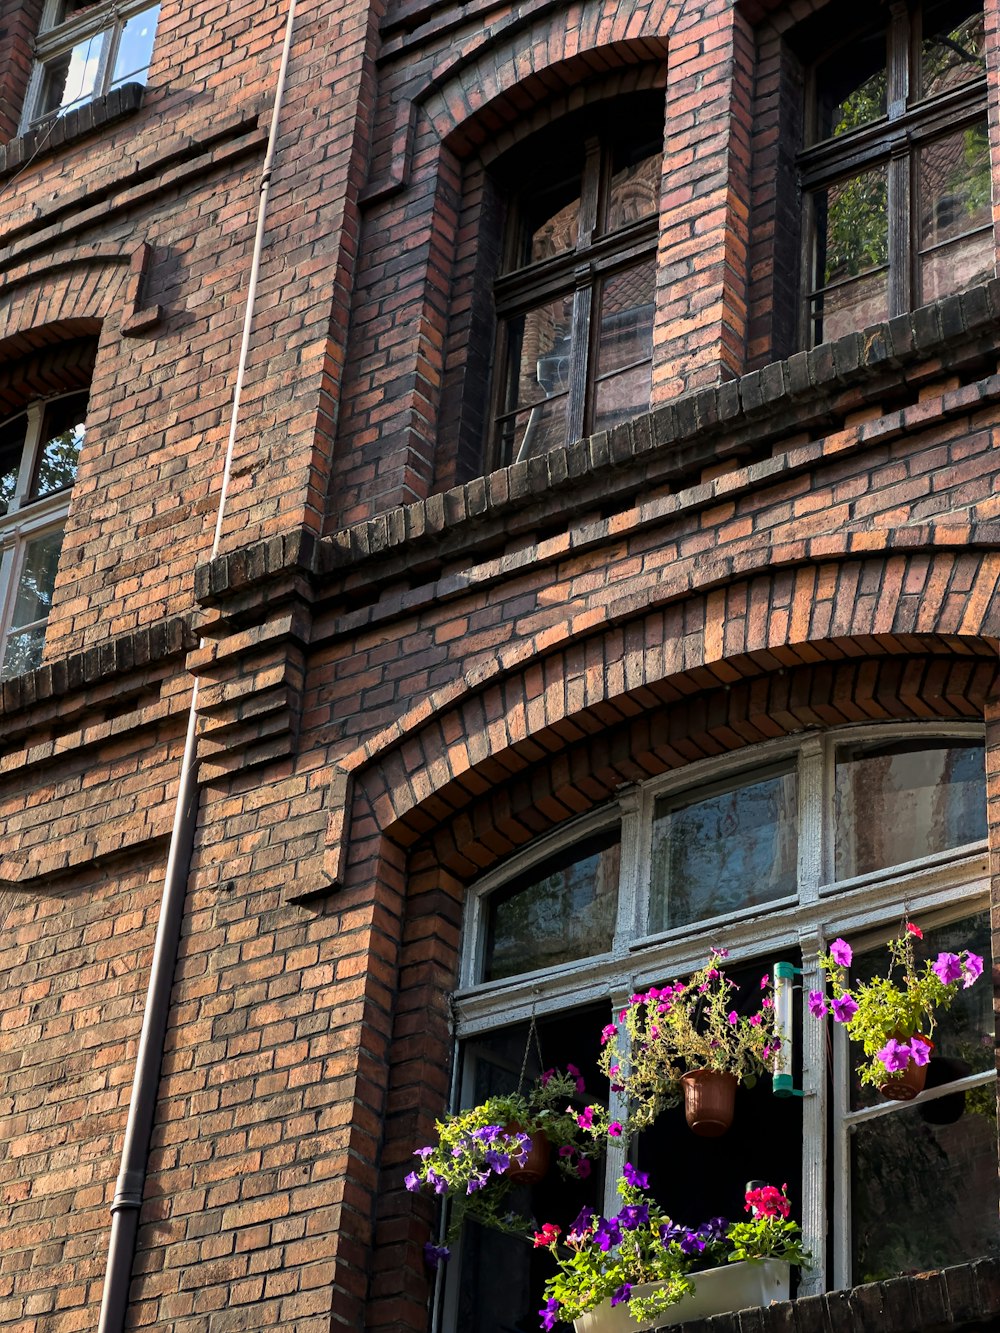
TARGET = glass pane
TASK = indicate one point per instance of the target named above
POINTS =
(625, 346)
(135, 47)
(558, 912)
(635, 189)
(953, 49)
(954, 175)
(731, 849)
(958, 265)
(72, 78)
(62, 433)
(897, 802)
(37, 579)
(551, 220)
(851, 88)
(23, 651)
(12, 435)
(849, 307)
(924, 1177)
(539, 344)
(852, 226)
(67, 8)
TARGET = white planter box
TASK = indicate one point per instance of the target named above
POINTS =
(735, 1287)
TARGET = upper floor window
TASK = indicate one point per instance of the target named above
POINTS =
(896, 172)
(575, 296)
(39, 450)
(845, 834)
(84, 51)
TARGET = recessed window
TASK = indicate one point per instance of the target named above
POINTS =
(39, 452)
(84, 51)
(896, 176)
(575, 298)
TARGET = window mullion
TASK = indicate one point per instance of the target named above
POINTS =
(900, 226)
(811, 810)
(633, 877)
(583, 301)
(814, 1122)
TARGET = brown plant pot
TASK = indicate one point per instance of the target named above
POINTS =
(709, 1099)
(536, 1164)
(905, 1085)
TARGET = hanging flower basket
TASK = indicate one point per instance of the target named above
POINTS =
(717, 1290)
(709, 1101)
(534, 1167)
(904, 1085)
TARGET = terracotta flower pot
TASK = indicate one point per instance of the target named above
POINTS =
(708, 1101)
(905, 1085)
(536, 1164)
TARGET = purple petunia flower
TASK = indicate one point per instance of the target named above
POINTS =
(692, 1243)
(671, 1231)
(549, 1313)
(948, 968)
(895, 1055)
(817, 1004)
(714, 1228)
(840, 952)
(435, 1255)
(583, 1168)
(920, 1051)
(607, 1233)
(412, 1182)
(423, 1153)
(634, 1215)
(439, 1182)
(844, 1009)
(622, 1294)
(498, 1162)
(973, 969)
(475, 1183)
(637, 1179)
(488, 1133)
(581, 1223)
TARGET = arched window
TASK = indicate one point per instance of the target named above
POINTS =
(771, 854)
(575, 293)
(895, 171)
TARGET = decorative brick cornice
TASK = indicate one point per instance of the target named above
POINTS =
(740, 420)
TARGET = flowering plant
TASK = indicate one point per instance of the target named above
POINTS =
(605, 1258)
(892, 1018)
(471, 1161)
(685, 1026)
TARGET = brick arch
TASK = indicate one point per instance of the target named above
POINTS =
(615, 662)
(70, 295)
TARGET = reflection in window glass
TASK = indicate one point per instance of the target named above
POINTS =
(898, 802)
(72, 78)
(556, 913)
(925, 1177)
(625, 345)
(852, 253)
(62, 436)
(35, 586)
(851, 92)
(635, 189)
(956, 221)
(135, 47)
(12, 437)
(732, 849)
(953, 48)
(539, 346)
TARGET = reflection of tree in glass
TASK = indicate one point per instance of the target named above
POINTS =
(59, 459)
(857, 231)
(951, 58)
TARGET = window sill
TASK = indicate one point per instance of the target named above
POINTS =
(74, 125)
(958, 1298)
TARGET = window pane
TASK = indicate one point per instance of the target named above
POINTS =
(732, 849)
(539, 344)
(23, 651)
(635, 189)
(925, 1177)
(558, 912)
(551, 220)
(62, 433)
(897, 802)
(955, 200)
(850, 88)
(37, 579)
(12, 435)
(953, 49)
(71, 78)
(625, 345)
(135, 47)
(852, 226)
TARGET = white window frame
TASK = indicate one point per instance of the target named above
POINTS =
(26, 518)
(54, 40)
(942, 886)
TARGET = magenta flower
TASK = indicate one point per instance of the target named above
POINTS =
(586, 1118)
(973, 969)
(840, 952)
(734, 1018)
(920, 1051)
(575, 1073)
(545, 1076)
(817, 1004)
(914, 930)
(844, 1009)
(948, 968)
(765, 981)
(615, 1129)
(609, 1032)
(637, 1179)
(895, 1055)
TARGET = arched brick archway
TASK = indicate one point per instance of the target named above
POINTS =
(542, 696)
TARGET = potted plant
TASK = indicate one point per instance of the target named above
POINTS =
(641, 1270)
(482, 1153)
(893, 1016)
(688, 1038)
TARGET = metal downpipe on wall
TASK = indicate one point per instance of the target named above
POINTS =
(127, 1202)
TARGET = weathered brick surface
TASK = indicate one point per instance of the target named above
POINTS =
(410, 669)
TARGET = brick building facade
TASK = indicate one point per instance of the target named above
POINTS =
(503, 416)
